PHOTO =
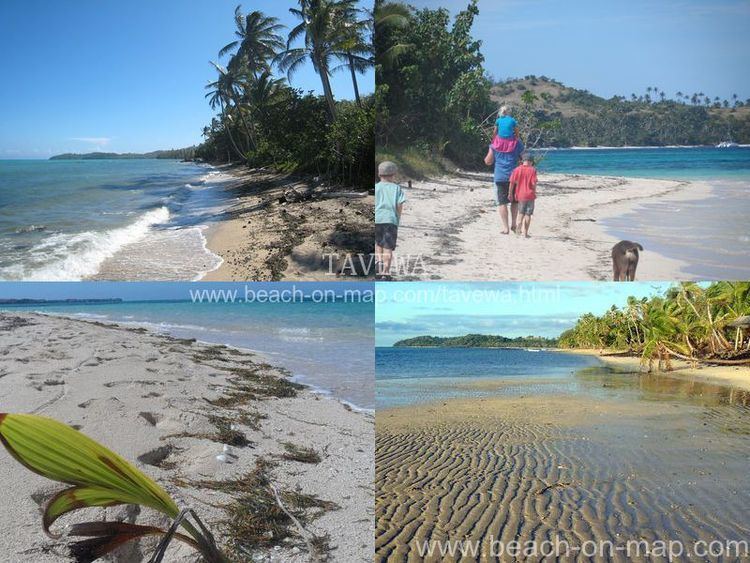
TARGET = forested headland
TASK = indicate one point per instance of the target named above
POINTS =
(264, 121)
(690, 322)
(477, 341)
(437, 100)
(181, 154)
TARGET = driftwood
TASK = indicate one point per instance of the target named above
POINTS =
(740, 362)
(306, 535)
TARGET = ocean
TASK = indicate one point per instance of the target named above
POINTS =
(67, 219)
(710, 235)
(673, 163)
(328, 346)
(413, 376)
(407, 376)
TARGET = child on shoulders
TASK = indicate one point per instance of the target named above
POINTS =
(505, 132)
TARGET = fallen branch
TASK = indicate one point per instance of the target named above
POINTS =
(306, 535)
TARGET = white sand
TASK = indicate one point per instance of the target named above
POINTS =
(453, 224)
(132, 390)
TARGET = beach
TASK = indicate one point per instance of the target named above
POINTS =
(597, 456)
(165, 220)
(281, 227)
(736, 376)
(168, 405)
(451, 230)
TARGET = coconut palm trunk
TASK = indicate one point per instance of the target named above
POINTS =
(231, 137)
(354, 79)
(327, 90)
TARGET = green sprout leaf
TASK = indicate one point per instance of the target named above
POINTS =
(99, 476)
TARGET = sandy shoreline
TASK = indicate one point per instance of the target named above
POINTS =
(737, 376)
(263, 237)
(146, 396)
(452, 223)
(589, 466)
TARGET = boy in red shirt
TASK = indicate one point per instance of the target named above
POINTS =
(523, 191)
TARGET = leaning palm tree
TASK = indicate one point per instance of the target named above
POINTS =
(219, 96)
(321, 34)
(233, 84)
(257, 41)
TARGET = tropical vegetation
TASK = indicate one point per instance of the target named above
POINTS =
(431, 88)
(649, 119)
(187, 153)
(692, 322)
(478, 341)
(97, 477)
(436, 101)
(263, 121)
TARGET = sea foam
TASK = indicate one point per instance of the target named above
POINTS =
(73, 257)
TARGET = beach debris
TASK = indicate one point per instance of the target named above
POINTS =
(223, 458)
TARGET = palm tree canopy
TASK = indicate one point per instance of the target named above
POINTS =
(258, 41)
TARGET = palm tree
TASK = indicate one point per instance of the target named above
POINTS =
(355, 48)
(322, 35)
(219, 96)
(257, 44)
(233, 81)
(390, 16)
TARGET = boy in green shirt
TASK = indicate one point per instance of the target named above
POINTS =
(389, 204)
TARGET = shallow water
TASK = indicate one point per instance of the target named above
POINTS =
(711, 236)
(62, 220)
(328, 345)
(594, 455)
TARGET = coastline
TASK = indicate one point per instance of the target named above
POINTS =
(452, 224)
(737, 376)
(145, 395)
(266, 236)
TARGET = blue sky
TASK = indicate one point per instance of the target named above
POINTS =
(118, 76)
(147, 291)
(615, 47)
(509, 309)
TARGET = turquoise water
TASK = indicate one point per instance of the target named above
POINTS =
(62, 219)
(408, 376)
(326, 345)
(412, 376)
(694, 163)
(710, 235)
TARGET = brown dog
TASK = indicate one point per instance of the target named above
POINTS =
(625, 260)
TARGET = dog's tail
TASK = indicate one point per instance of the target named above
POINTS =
(638, 246)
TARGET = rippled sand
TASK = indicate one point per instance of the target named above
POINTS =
(568, 467)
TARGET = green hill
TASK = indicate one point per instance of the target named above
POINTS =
(178, 154)
(477, 341)
(654, 118)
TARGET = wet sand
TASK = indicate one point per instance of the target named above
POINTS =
(165, 404)
(453, 225)
(623, 457)
(263, 237)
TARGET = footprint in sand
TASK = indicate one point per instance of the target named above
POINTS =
(151, 417)
(158, 456)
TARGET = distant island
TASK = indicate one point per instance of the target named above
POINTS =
(59, 301)
(565, 116)
(477, 341)
(173, 154)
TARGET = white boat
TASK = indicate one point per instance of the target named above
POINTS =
(533, 350)
(727, 145)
